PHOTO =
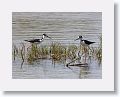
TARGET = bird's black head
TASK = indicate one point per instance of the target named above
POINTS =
(44, 34)
(80, 36)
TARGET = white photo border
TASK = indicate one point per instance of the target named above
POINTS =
(104, 84)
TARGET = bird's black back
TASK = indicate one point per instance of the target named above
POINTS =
(33, 40)
(88, 42)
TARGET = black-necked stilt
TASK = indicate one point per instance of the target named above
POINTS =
(36, 41)
(84, 42)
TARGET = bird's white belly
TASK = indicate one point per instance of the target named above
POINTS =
(83, 43)
(38, 42)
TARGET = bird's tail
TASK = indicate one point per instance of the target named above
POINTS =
(92, 42)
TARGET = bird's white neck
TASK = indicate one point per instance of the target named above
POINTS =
(43, 37)
(80, 39)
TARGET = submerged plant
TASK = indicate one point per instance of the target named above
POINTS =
(71, 52)
(57, 51)
(98, 51)
(43, 52)
(15, 51)
(33, 53)
(22, 53)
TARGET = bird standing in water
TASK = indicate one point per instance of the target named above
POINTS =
(85, 44)
(36, 41)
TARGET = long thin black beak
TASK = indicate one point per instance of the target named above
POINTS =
(48, 37)
(77, 39)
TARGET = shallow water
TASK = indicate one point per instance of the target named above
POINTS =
(62, 27)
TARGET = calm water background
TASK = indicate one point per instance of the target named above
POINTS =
(63, 28)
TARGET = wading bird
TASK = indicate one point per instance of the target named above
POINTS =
(36, 41)
(85, 44)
